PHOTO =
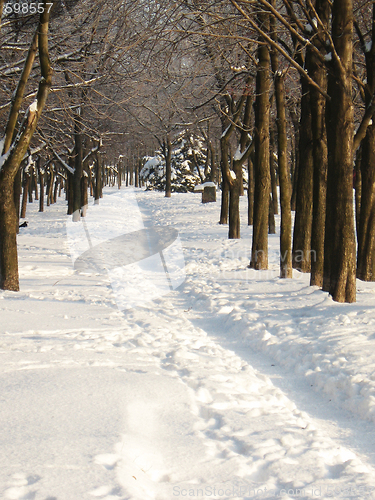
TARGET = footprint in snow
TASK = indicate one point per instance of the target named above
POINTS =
(20, 487)
(104, 491)
(108, 460)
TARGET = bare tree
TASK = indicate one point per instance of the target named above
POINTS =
(14, 147)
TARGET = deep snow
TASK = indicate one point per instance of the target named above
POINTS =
(234, 385)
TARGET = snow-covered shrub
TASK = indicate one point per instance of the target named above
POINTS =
(188, 155)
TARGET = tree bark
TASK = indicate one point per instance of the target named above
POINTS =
(275, 202)
(168, 167)
(271, 218)
(99, 178)
(78, 168)
(294, 119)
(26, 182)
(284, 176)
(236, 186)
(224, 211)
(301, 254)
(339, 249)
(41, 184)
(8, 232)
(224, 201)
(250, 190)
(85, 201)
(365, 180)
(318, 72)
(30, 185)
(17, 195)
(138, 165)
(259, 251)
(213, 173)
(35, 182)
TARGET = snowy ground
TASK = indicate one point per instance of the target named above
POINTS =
(235, 385)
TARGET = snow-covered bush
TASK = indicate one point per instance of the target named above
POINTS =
(188, 155)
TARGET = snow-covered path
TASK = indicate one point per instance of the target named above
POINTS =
(235, 385)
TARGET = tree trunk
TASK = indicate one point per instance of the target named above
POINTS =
(41, 184)
(85, 200)
(224, 201)
(17, 196)
(250, 191)
(35, 183)
(26, 182)
(138, 166)
(224, 211)
(8, 215)
(365, 181)
(293, 117)
(366, 226)
(339, 249)
(301, 254)
(91, 184)
(358, 187)
(168, 168)
(282, 159)
(213, 173)
(99, 178)
(57, 183)
(8, 241)
(318, 73)
(78, 168)
(69, 182)
(236, 187)
(271, 218)
(50, 184)
(234, 230)
(259, 251)
(284, 178)
(275, 203)
(30, 186)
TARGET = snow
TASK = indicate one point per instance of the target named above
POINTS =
(328, 57)
(64, 164)
(4, 157)
(2, 142)
(33, 108)
(368, 46)
(199, 187)
(30, 163)
(237, 155)
(225, 131)
(238, 69)
(154, 161)
(236, 384)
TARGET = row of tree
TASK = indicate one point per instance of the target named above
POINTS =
(282, 90)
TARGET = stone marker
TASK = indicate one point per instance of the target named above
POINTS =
(209, 192)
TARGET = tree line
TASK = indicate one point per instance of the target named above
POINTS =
(280, 90)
